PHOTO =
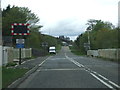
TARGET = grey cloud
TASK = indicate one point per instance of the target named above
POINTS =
(68, 27)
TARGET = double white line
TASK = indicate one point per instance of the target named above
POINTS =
(95, 75)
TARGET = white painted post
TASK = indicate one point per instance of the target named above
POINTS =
(0, 46)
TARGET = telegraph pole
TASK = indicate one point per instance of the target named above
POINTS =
(88, 31)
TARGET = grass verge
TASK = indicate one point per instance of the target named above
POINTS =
(9, 75)
(76, 51)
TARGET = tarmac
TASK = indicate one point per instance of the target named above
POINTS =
(32, 65)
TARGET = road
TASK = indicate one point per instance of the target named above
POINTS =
(66, 70)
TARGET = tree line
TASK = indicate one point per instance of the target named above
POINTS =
(15, 14)
(102, 35)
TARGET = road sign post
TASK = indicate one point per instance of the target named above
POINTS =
(19, 56)
(20, 45)
(20, 29)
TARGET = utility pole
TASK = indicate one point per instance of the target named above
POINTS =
(89, 39)
(88, 31)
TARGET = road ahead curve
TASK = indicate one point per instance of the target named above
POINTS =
(66, 70)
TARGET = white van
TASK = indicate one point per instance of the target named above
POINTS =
(52, 50)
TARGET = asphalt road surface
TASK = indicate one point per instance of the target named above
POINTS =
(66, 70)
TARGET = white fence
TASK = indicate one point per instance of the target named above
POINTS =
(25, 53)
(105, 53)
(10, 53)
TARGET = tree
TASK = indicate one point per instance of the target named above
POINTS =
(17, 15)
(5, 10)
(103, 35)
(96, 25)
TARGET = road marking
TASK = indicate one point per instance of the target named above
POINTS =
(64, 69)
(114, 84)
(107, 79)
(102, 81)
(93, 74)
(75, 62)
(44, 61)
(102, 77)
(57, 58)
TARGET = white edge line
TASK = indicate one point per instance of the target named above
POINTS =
(26, 72)
(114, 84)
(102, 77)
(75, 62)
(43, 61)
(38, 65)
(101, 81)
(109, 81)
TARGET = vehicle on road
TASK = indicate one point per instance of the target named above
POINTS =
(52, 50)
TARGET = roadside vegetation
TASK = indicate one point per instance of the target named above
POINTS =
(36, 40)
(11, 64)
(11, 74)
(76, 51)
(103, 35)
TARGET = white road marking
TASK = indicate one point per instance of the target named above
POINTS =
(44, 61)
(57, 58)
(114, 84)
(108, 80)
(41, 63)
(75, 62)
(64, 69)
(102, 77)
(93, 74)
(102, 81)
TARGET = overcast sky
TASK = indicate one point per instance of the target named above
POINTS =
(68, 17)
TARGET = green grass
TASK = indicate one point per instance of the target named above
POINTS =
(76, 51)
(11, 74)
(11, 64)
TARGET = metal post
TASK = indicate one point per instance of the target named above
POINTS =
(19, 56)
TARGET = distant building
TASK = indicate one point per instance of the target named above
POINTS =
(119, 14)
